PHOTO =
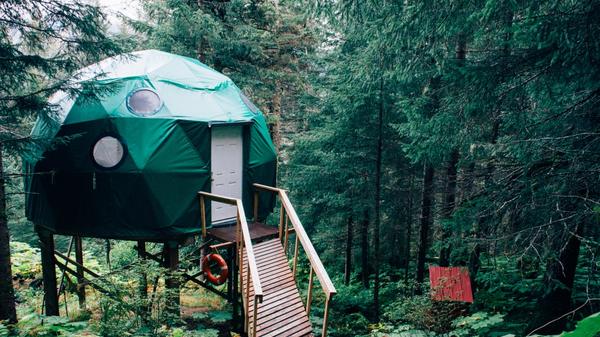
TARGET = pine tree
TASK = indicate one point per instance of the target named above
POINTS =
(41, 44)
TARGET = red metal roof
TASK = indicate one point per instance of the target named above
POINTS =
(450, 284)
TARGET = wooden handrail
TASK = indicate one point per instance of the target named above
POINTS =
(311, 253)
(249, 251)
(309, 249)
(244, 244)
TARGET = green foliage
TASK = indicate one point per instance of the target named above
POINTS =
(4, 332)
(116, 318)
(351, 324)
(25, 260)
(477, 324)
(589, 326)
(46, 326)
(43, 43)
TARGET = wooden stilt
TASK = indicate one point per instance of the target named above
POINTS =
(80, 276)
(143, 285)
(49, 273)
(171, 250)
(233, 281)
(230, 276)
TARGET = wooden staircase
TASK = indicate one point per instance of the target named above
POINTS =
(271, 299)
(282, 311)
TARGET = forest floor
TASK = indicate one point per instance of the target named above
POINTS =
(202, 313)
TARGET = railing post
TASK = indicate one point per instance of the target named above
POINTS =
(326, 316)
(203, 215)
(296, 257)
(285, 245)
(256, 195)
(309, 295)
(281, 220)
(255, 316)
(247, 291)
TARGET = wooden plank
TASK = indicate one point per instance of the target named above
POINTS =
(258, 231)
(280, 328)
(275, 298)
(301, 331)
(283, 322)
(282, 315)
(274, 309)
(269, 268)
(290, 283)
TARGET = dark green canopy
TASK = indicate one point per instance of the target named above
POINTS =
(128, 164)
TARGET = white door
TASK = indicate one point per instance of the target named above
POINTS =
(227, 169)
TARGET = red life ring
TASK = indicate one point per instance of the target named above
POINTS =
(220, 261)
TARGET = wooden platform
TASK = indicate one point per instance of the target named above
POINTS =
(258, 232)
(282, 312)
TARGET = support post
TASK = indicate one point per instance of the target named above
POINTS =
(326, 316)
(310, 288)
(256, 196)
(80, 276)
(143, 286)
(49, 273)
(171, 253)
(230, 276)
(281, 221)
(234, 271)
(203, 216)
(286, 237)
(295, 257)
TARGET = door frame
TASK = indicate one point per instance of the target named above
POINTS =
(245, 127)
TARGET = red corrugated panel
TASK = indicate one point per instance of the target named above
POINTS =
(450, 284)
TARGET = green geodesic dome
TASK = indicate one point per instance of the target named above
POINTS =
(156, 117)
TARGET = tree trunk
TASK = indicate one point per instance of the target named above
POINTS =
(377, 205)
(49, 273)
(364, 245)
(396, 236)
(408, 227)
(276, 115)
(7, 293)
(348, 265)
(425, 220)
(144, 308)
(560, 277)
(448, 207)
(450, 190)
(171, 261)
(474, 257)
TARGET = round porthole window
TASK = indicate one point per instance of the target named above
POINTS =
(144, 102)
(108, 152)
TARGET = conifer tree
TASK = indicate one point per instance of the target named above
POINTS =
(41, 44)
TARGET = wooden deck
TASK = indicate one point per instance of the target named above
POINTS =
(282, 312)
(258, 232)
